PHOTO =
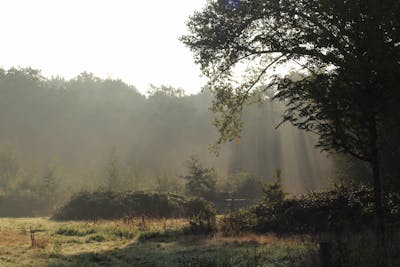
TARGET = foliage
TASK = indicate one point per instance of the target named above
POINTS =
(345, 88)
(344, 209)
(202, 216)
(96, 238)
(49, 188)
(273, 192)
(161, 235)
(70, 231)
(328, 40)
(111, 205)
(238, 223)
(23, 205)
(70, 125)
(243, 185)
(8, 170)
(201, 181)
(113, 175)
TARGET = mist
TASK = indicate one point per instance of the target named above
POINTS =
(77, 127)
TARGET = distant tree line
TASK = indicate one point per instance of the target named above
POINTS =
(61, 136)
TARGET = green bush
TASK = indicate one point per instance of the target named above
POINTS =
(239, 222)
(341, 209)
(113, 205)
(69, 231)
(202, 216)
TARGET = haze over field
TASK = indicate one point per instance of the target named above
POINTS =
(78, 126)
(199, 133)
(136, 41)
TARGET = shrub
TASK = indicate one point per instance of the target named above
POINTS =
(69, 231)
(202, 216)
(341, 209)
(113, 205)
(238, 222)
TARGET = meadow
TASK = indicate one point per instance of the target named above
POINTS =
(162, 242)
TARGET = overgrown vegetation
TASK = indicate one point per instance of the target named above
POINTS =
(200, 213)
(202, 216)
(117, 205)
(163, 243)
(343, 218)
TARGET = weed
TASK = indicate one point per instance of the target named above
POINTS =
(96, 238)
(160, 236)
(69, 231)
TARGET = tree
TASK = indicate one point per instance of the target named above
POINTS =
(48, 189)
(9, 169)
(113, 173)
(273, 192)
(346, 55)
(201, 181)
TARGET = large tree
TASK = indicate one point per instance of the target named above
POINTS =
(346, 55)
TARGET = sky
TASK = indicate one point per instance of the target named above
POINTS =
(136, 41)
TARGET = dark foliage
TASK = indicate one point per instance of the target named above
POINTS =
(202, 216)
(340, 210)
(201, 181)
(347, 52)
(112, 205)
(239, 222)
(24, 205)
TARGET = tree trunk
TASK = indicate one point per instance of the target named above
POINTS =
(380, 216)
(378, 200)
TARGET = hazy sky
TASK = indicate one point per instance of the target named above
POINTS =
(136, 41)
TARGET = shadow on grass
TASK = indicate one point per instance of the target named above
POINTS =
(177, 249)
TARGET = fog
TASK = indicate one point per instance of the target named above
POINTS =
(76, 128)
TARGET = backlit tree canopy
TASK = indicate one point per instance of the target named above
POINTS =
(349, 50)
(346, 55)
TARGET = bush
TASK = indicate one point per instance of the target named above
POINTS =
(113, 205)
(69, 231)
(202, 216)
(238, 222)
(341, 209)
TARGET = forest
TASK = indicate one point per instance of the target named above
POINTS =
(61, 137)
(288, 156)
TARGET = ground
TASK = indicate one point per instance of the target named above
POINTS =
(134, 243)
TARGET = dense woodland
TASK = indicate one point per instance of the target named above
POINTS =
(63, 136)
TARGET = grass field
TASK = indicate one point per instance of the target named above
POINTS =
(155, 243)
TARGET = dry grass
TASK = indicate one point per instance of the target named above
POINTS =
(115, 243)
(13, 238)
(257, 239)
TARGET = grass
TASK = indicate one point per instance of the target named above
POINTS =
(154, 243)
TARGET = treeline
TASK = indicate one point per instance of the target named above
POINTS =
(62, 136)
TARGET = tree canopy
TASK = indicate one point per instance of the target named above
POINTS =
(347, 51)
(346, 55)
